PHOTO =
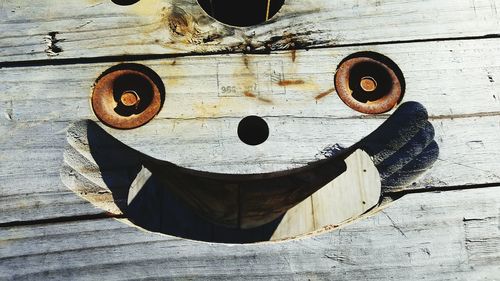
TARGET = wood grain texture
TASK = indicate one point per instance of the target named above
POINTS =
(436, 74)
(51, 99)
(347, 197)
(96, 28)
(52, 52)
(441, 236)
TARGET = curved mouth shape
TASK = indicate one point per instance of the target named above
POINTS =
(401, 149)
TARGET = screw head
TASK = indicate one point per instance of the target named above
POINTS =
(129, 98)
(368, 84)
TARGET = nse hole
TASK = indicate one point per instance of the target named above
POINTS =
(253, 130)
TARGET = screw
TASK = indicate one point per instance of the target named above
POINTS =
(368, 84)
(129, 98)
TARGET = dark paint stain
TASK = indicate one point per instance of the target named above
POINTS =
(294, 55)
(174, 62)
(290, 82)
(324, 94)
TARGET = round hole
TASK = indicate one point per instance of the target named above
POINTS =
(253, 130)
(124, 2)
(369, 83)
(241, 13)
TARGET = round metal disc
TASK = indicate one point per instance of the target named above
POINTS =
(355, 90)
(111, 99)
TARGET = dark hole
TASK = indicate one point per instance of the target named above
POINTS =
(124, 2)
(132, 83)
(241, 13)
(253, 130)
(375, 71)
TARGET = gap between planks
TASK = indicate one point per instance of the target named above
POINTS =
(388, 197)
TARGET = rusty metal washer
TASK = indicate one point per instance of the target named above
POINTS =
(106, 106)
(386, 93)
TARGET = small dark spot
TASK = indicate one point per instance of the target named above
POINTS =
(491, 79)
(324, 94)
(364, 202)
(174, 62)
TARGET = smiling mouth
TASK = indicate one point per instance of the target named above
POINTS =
(401, 149)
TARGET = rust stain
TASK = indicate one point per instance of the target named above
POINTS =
(249, 94)
(294, 55)
(284, 83)
(246, 62)
(265, 100)
(252, 95)
(324, 94)
(178, 22)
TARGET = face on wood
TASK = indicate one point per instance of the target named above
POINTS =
(239, 140)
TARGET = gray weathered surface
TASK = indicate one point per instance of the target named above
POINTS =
(436, 236)
(95, 28)
(448, 51)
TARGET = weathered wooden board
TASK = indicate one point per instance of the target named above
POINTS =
(347, 197)
(437, 74)
(436, 236)
(95, 28)
(52, 52)
(50, 99)
(31, 182)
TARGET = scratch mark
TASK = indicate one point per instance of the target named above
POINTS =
(340, 259)
(9, 112)
(470, 167)
(85, 24)
(394, 224)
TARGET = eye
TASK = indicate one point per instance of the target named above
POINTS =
(127, 96)
(369, 83)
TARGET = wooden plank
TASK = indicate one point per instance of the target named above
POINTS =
(30, 178)
(431, 235)
(350, 195)
(437, 73)
(467, 157)
(467, 68)
(81, 29)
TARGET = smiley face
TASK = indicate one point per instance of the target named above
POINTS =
(240, 140)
